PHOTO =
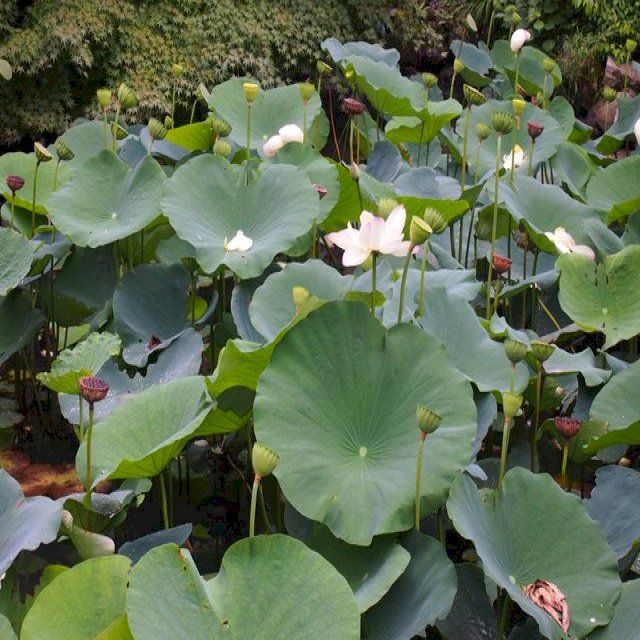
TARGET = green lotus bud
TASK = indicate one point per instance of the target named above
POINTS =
(428, 421)
(630, 45)
(119, 132)
(354, 171)
(458, 66)
(323, 67)
(548, 65)
(483, 131)
(168, 122)
(190, 264)
(156, 129)
(511, 403)
(502, 122)
(64, 153)
(263, 459)
(429, 80)
(104, 97)
(610, 94)
(519, 105)
(251, 91)
(42, 153)
(473, 96)
(515, 350)
(541, 350)
(220, 127)
(177, 70)
(300, 297)
(435, 220)
(419, 231)
(516, 19)
(127, 97)
(386, 206)
(306, 91)
(222, 148)
(350, 75)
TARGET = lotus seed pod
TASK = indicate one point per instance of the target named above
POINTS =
(93, 389)
(515, 350)
(15, 183)
(222, 148)
(190, 264)
(177, 70)
(251, 91)
(428, 421)
(119, 132)
(473, 96)
(220, 127)
(511, 403)
(501, 264)
(458, 66)
(541, 351)
(64, 153)
(630, 46)
(127, 97)
(419, 231)
(567, 427)
(156, 129)
(104, 97)
(263, 459)
(42, 153)
(323, 67)
(306, 91)
(535, 129)
(516, 19)
(353, 107)
(354, 171)
(300, 297)
(610, 94)
(386, 206)
(548, 65)
(435, 220)
(502, 122)
(519, 105)
(429, 80)
(168, 122)
(483, 131)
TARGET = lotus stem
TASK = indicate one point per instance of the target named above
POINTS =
(114, 137)
(33, 198)
(13, 209)
(515, 86)
(493, 15)
(536, 423)
(423, 437)
(80, 431)
(87, 482)
(193, 297)
(351, 156)
(423, 269)
(420, 144)
(453, 81)
(626, 74)
(304, 121)
(505, 448)
(249, 113)
(544, 86)
(403, 283)
(504, 616)
(106, 128)
(565, 459)
(193, 110)
(374, 259)
(163, 496)
(173, 101)
(531, 152)
(494, 225)
(463, 173)
(254, 501)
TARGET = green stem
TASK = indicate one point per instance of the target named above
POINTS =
(403, 283)
(13, 209)
(544, 86)
(374, 260)
(493, 15)
(114, 137)
(495, 224)
(531, 152)
(536, 422)
(565, 459)
(173, 102)
(193, 298)
(626, 75)
(423, 437)
(453, 81)
(80, 418)
(504, 450)
(87, 482)
(106, 128)
(55, 175)
(504, 616)
(420, 143)
(254, 501)
(249, 113)
(304, 122)
(465, 141)
(466, 251)
(515, 86)
(423, 269)
(193, 111)
(351, 140)
(33, 198)
(163, 495)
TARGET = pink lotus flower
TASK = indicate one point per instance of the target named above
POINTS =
(518, 39)
(565, 243)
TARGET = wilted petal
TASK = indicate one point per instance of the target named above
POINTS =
(549, 598)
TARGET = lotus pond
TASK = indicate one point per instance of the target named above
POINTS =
(350, 358)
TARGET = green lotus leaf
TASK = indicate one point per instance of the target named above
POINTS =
(425, 183)
(477, 63)
(208, 200)
(86, 140)
(25, 523)
(626, 616)
(573, 167)
(193, 137)
(346, 434)
(422, 594)
(536, 531)
(339, 51)
(136, 549)
(98, 590)
(6, 630)
(18, 322)
(272, 109)
(615, 504)
(597, 297)
(616, 189)
(139, 437)
(614, 136)
(105, 200)
(423, 129)
(85, 359)
(15, 259)
(451, 210)
(562, 362)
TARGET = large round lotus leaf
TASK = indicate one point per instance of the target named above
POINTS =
(572, 166)
(477, 63)
(614, 136)
(422, 594)
(25, 523)
(208, 200)
(80, 603)
(272, 109)
(15, 259)
(616, 189)
(537, 531)
(276, 587)
(105, 200)
(584, 362)
(339, 51)
(193, 137)
(139, 438)
(615, 504)
(597, 297)
(272, 309)
(423, 129)
(150, 309)
(86, 140)
(626, 616)
(6, 630)
(338, 403)
(18, 322)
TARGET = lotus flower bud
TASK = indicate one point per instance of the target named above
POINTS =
(323, 67)
(42, 153)
(435, 220)
(300, 297)
(541, 351)
(458, 66)
(220, 127)
(429, 80)
(352, 106)
(264, 460)
(306, 91)
(386, 206)
(15, 183)
(630, 45)
(610, 94)
(502, 122)
(483, 131)
(501, 264)
(222, 148)
(428, 421)
(518, 39)
(93, 389)
(515, 350)
(157, 130)
(511, 403)
(548, 65)
(64, 153)
(127, 97)
(251, 90)
(473, 96)
(519, 105)
(354, 171)
(177, 70)
(168, 122)
(104, 97)
(567, 427)
(535, 129)
(419, 231)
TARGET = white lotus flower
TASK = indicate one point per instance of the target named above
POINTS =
(291, 133)
(375, 234)
(636, 130)
(239, 242)
(518, 39)
(565, 243)
(518, 156)
(272, 146)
